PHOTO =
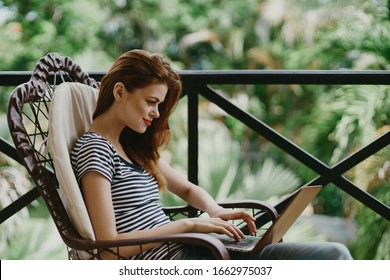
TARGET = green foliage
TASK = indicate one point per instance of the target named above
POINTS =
(329, 122)
(13, 184)
(36, 239)
(61, 26)
(345, 118)
(375, 170)
(373, 240)
(341, 121)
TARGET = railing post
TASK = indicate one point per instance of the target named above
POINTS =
(193, 134)
(193, 141)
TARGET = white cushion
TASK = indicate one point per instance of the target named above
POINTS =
(70, 116)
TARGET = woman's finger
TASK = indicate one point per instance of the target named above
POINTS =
(237, 233)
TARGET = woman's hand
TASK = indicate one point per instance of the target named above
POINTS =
(215, 225)
(229, 214)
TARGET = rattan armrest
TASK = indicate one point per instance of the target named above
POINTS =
(251, 204)
(215, 246)
(245, 203)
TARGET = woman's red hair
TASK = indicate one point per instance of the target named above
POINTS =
(137, 69)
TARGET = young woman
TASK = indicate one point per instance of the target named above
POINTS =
(119, 169)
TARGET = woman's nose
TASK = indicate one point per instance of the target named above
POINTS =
(155, 113)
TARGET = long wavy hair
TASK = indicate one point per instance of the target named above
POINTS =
(137, 69)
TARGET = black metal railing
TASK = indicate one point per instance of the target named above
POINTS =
(197, 83)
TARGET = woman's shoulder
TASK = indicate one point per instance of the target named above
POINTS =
(92, 140)
(93, 152)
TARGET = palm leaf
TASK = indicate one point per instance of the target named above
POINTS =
(270, 180)
(36, 239)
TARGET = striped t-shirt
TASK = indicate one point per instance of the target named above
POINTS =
(134, 191)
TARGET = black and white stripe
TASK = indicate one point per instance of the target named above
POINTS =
(134, 191)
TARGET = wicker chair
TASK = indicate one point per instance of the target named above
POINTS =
(28, 114)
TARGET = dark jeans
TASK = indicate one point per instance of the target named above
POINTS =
(279, 251)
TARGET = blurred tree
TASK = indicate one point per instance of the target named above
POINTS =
(31, 29)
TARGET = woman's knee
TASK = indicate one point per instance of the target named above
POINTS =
(337, 251)
(306, 251)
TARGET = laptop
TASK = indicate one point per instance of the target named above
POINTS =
(297, 204)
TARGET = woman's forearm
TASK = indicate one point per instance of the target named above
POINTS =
(180, 226)
(202, 200)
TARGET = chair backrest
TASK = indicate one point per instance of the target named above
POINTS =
(28, 113)
(70, 116)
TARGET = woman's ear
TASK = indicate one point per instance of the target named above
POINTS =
(119, 91)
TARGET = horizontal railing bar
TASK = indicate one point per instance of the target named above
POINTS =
(314, 77)
(14, 78)
(328, 77)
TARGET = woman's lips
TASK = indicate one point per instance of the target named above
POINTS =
(148, 122)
